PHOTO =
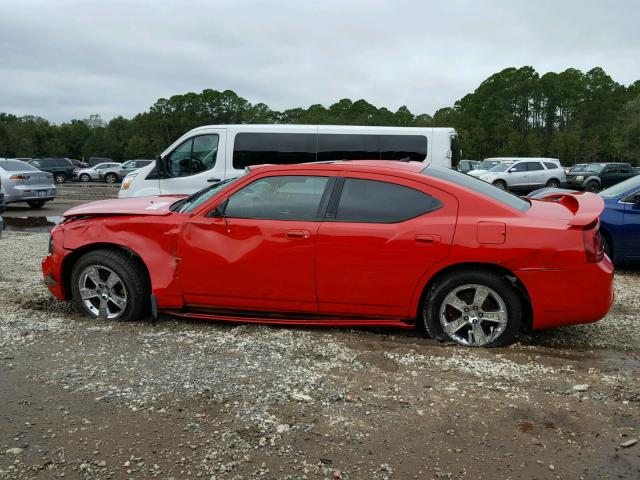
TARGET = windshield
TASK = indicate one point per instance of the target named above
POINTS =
(477, 185)
(594, 167)
(16, 166)
(488, 164)
(189, 204)
(501, 167)
(577, 168)
(621, 188)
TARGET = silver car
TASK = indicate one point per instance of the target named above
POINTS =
(117, 173)
(526, 175)
(97, 172)
(23, 183)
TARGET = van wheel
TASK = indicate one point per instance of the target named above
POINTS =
(553, 183)
(500, 184)
(474, 309)
(107, 284)
(592, 186)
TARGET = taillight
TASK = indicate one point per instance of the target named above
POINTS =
(18, 176)
(49, 177)
(593, 247)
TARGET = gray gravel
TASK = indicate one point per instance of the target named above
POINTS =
(208, 400)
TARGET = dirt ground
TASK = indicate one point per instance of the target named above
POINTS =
(180, 399)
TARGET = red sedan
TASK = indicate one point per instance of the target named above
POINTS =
(341, 243)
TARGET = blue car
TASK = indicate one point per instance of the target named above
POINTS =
(620, 221)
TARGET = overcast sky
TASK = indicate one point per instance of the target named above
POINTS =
(64, 59)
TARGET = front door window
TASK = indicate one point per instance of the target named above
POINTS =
(195, 155)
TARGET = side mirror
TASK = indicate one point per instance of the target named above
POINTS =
(161, 167)
(511, 170)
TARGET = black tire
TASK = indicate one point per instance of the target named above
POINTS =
(36, 203)
(436, 296)
(553, 183)
(500, 184)
(111, 178)
(133, 275)
(85, 177)
(592, 186)
(60, 178)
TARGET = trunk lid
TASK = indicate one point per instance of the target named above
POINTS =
(581, 209)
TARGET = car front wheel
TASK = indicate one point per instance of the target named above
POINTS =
(108, 285)
(500, 184)
(85, 177)
(593, 187)
(111, 178)
(474, 309)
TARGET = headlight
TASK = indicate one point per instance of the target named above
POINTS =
(579, 178)
(128, 180)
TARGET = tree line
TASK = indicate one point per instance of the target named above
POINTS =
(572, 115)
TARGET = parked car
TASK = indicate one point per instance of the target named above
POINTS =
(194, 160)
(597, 176)
(23, 182)
(60, 168)
(525, 175)
(465, 166)
(636, 169)
(383, 243)
(620, 221)
(95, 172)
(120, 170)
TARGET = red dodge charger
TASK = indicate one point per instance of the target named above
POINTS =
(341, 243)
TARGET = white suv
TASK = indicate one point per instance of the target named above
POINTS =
(526, 175)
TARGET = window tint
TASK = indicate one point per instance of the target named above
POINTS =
(550, 165)
(348, 147)
(477, 185)
(625, 169)
(534, 166)
(401, 147)
(277, 148)
(16, 166)
(279, 198)
(193, 156)
(519, 167)
(372, 201)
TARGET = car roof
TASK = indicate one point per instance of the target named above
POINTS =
(347, 165)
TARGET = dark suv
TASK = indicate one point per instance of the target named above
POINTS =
(61, 168)
(597, 176)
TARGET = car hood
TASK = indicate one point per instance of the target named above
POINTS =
(155, 206)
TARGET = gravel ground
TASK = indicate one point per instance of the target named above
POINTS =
(180, 399)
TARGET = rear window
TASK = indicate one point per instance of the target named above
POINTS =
(477, 185)
(16, 166)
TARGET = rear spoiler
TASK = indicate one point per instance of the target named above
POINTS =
(586, 207)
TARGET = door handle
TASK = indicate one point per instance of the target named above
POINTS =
(297, 234)
(213, 180)
(427, 239)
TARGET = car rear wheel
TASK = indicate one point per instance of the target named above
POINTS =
(59, 177)
(592, 186)
(111, 178)
(85, 177)
(553, 183)
(108, 285)
(474, 309)
(500, 184)
(35, 203)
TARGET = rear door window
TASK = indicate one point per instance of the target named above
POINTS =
(278, 148)
(373, 201)
(280, 198)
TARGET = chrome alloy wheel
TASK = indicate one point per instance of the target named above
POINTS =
(473, 315)
(103, 292)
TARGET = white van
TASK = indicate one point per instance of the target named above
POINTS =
(217, 152)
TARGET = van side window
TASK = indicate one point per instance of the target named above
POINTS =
(193, 156)
(277, 148)
(371, 147)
